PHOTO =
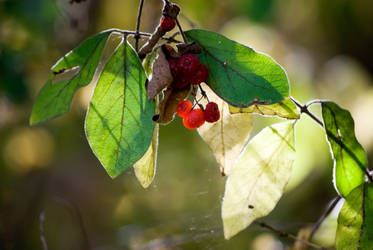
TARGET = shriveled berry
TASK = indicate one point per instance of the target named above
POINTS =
(167, 23)
(183, 108)
(188, 64)
(194, 119)
(180, 82)
(211, 112)
(200, 76)
(173, 67)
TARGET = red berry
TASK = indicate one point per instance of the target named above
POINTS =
(183, 108)
(173, 67)
(180, 82)
(194, 119)
(200, 76)
(188, 64)
(167, 23)
(211, 112)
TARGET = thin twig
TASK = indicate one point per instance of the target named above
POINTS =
(137, 36)
(304, 109)
(41, 229)
(181, 30)
(331, 205)
(75, 211)
(288, 235)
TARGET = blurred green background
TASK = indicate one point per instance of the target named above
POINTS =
(49, 170)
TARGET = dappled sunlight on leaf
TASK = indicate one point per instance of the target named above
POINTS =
(355, 221)
(238, 74)
(349, 157)
(55, 98)
(227, 136)
(259, 177)
(119, 124)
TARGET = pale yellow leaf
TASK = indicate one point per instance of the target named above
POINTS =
(258, 178)
(145, 168)
(285, 109)
(227, 136)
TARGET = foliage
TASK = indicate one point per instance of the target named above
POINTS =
(120, 129)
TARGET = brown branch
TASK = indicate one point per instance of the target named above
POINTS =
(331, 205)
(169, 9)
(304, 109)
(288, 235)
(41, 230)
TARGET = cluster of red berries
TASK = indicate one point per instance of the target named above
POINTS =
(167, 23)
(187, 70)
(194, 118)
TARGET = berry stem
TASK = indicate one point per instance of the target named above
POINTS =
(203, 93)
(181, 30)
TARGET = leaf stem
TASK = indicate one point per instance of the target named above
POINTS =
(287, 235)
(137, 36)
(331, 205)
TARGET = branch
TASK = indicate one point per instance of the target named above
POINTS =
(41, 230)
(288, 235)
(169, 9)
(137, 37)
(331, 205)
(304, 109)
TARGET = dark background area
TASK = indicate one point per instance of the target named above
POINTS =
(50, 171)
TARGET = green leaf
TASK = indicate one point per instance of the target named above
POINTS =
(349, 156)
(73, 71)
(355, 221)
(227, 136)
(119, 124)
(238, 74)
(146, 167)
(285, 109)
(259, 177)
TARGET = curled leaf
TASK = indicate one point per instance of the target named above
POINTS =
(192, 47)
(167, 107)
(161, 76)
(146, 167)
(169, 51)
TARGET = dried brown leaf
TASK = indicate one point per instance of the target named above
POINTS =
(161, 76)
(167, 107)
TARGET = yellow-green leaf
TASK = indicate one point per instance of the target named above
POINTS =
(355, 221)
(227, 136)
(259, 177)
(285, 109)
(146, 167)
